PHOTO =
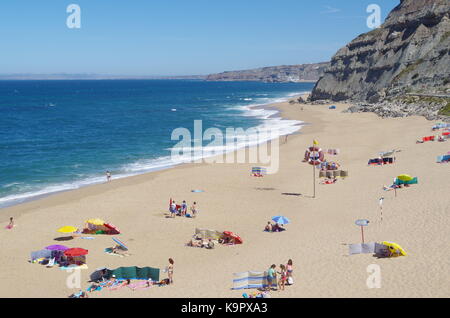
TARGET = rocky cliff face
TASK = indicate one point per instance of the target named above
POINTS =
(409, 54)
(285, 73)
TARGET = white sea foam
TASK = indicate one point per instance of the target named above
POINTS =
(271, 122)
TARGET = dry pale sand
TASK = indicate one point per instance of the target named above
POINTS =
(417, 219)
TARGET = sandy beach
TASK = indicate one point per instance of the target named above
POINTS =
(315, 240)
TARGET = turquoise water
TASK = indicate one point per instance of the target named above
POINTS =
(61, 135)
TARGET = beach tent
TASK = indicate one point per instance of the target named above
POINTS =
(98, 226)
(258, 171)
(445, 158)
(378, 161)
(209, 234)
(394, 248)
(41, 254)
(428, 138)
(405, 179)
(251, 279)
(132, 272)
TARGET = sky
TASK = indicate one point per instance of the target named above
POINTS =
(176, 37)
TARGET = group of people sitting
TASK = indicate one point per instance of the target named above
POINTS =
(274, 227)
(182, 209)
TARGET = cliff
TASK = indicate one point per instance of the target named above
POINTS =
(285, 73)
(408, 56)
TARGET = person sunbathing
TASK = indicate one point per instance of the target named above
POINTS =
(194, 243)
(268, 227)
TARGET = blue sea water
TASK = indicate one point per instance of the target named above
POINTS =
(61, 135)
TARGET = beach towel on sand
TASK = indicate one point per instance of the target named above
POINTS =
(251, 279)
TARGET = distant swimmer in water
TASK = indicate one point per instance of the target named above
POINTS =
(108, 176)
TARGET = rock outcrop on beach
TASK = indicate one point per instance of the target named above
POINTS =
(274, 74)
(401, 68)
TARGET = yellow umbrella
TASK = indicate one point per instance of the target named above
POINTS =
(394, 248)
(68, 229)
(95, 221)
(404, 177)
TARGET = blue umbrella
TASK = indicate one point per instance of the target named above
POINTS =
(281, 219)
(120, 243)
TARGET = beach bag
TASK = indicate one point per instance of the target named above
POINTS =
(290, 280)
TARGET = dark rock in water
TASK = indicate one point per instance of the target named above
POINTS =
(408, 54)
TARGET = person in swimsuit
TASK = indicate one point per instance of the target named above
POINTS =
(183, 208)
(289, 268)
(283, 279)
(108, 176)
(194, 209)
(170, 270)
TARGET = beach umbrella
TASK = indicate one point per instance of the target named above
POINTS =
(56, 248)
(120, 243)
(394, 247)
(67, 229)
(76, 252)
(237, 238)
(95, 221)
(404, 177)
(281, 219)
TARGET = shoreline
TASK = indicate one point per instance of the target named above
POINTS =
(32, 198)
(417, 219)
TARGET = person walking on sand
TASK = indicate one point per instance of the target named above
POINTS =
(283, 278)
(271, 276)
(170, 270)
(289, 270)
(11, 224)
(108, 176)
(194, 209)
(183, 208)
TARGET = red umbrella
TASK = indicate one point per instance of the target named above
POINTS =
(237, 238)
(76, 252)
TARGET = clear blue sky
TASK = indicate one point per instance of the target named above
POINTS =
(175, 37)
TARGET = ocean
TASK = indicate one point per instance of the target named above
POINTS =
(62, 135)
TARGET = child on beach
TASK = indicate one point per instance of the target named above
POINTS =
(170, 270)
(283, 278)
(194, 209)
